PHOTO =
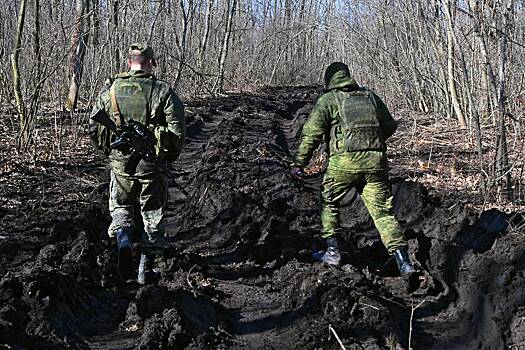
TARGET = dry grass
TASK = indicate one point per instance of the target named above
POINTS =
(58, 172)
(426, 149)
(443, 157)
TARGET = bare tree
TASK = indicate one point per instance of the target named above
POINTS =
(17, 91)
(96, 23)
(461, 60)
(115, 28)
(472, 106)
(79, 40)
(502, 160)
(450, 63)
(488, 73)
(219, 85)
(182, 40)
(204, 43)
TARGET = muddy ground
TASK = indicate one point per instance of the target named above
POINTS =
(238, 272)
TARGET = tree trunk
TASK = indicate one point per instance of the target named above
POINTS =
(488, 71)
(96, 23)
(114, 19)
(160, 8)
(203, 46)
(502, 159)
(450, 65)
(17, 90)
(183, 39)
(36, 39)
(35, 98)
(474, 114)
(79, 39)
(219, 84)
(435, 39)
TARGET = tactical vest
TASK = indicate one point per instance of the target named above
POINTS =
(359, 121)
(131, 99)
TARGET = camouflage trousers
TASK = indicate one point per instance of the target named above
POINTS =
(147, 194)
(376, 193)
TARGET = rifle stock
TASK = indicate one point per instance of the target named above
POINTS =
(133, 139)
(103, 118)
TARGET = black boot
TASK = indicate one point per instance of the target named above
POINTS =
(146, 273)
(407, 270)
(332, 256)
(125, 252)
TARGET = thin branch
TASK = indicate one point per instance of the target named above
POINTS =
(331, 329)
(411, 320)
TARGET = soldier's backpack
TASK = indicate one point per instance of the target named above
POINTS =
(360, 121)
(132, 98)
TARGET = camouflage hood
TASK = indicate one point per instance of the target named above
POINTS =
(341, 80)
(324, 124)
(337, 76)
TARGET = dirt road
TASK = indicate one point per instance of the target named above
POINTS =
(238, 274)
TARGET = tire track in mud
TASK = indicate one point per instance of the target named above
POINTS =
(238, 274)
(268, 292)
(199, 133)
(251, 269)
(261, 310)
(273, 130)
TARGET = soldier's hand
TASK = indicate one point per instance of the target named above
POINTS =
(297, 172)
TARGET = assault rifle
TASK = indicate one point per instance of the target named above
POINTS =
(133, 139)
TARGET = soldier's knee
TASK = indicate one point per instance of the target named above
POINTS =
(387, 224)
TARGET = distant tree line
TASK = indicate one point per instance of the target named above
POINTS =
(461, 60)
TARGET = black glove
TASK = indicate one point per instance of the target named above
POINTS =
(297, 172)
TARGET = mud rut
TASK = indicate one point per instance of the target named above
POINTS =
(238, 274)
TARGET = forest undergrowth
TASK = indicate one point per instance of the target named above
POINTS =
(238, 272)
(426, 148)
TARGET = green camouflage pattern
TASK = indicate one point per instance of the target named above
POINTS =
(362, 165)
(323, 123)
(144, 98)
(376, 193)
(359, 121)
(147, 194)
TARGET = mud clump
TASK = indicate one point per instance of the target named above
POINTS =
(238, 273)
(175, 319)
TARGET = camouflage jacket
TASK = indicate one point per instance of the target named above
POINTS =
(142, 97)
(323, 123)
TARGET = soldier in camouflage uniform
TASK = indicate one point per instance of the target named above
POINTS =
(355, 124)
(138, 95)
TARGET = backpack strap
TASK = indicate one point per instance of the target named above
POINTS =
(149, 117)
(115, 108)
(371, 97)
(339, 100)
